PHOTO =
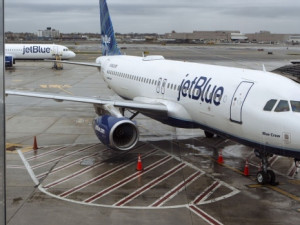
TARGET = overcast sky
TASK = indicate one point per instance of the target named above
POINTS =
(157, 16)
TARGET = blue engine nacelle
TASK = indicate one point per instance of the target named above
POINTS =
(117, 133)
(9, 61)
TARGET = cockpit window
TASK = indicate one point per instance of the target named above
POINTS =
(295, 106)
(270, 105)
(282, 106)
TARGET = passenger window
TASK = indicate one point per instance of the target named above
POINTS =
(295, 106)
(282, 106)
(270, 105)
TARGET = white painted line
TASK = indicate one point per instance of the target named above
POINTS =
(65, 166)
(292, 171)
(62, 157)
(207, 192)
(193, 208)
(45, 153)
(26, 164)
(177, 189)
(102, 176)
(199, 212)
(15, 167)
(127, 180)
(149, 185)
(273, 160)
(220, 198)
(73, 175)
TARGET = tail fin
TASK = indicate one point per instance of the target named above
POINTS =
(109, 43)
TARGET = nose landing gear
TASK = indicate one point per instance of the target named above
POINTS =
(265, 176)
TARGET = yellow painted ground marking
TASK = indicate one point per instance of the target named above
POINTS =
(27, 149)
(294, 182)
(255, 186)
(277, 189)
(227, 166)
(11, 147)
(57, 86)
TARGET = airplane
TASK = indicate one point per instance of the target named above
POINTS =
(15, 52)
(256, 108)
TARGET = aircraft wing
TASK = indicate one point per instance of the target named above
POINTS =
(153, 108)
(75, 63)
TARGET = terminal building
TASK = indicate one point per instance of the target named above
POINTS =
(232, 36)
(48, 33)
(295, 40)
(201, 36)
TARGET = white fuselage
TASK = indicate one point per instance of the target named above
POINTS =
(223, 100)
(37, 51)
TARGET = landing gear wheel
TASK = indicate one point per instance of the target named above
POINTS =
(208, 134)
(271, 176)
(265, 176)
(262, 177)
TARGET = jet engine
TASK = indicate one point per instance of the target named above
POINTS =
(117, 133)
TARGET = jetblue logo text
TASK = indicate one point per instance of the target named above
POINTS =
(36, 49)
(201, 89)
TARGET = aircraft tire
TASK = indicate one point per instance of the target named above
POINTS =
(262, 177)
(271, 176)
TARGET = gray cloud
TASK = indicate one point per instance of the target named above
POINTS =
(155, 15)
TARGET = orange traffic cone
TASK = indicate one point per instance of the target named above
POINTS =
(139, 166)
(35, 147)
(246, 169)
(220, 158)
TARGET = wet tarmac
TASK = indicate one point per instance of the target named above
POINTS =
(74, 179)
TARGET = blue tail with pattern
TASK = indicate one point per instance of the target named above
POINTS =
(108, 39)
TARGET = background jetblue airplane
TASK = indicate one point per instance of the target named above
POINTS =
(35, 51)
(255, 108)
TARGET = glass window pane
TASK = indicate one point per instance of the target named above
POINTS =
(270, 104)
(282, 106)
(295, 106)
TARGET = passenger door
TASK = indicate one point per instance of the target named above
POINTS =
(237, 102)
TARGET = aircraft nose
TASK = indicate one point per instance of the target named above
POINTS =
(72, 54)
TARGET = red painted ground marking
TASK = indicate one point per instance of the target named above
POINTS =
(45, 153)
(65, 166)
(204, 215)
(176, 189)
(15, 167)
(102, 176)
(80, 172)
(149, 185)
(206, 192)
(126, 180)
(61, 157)
(273, 159)
(293, 171)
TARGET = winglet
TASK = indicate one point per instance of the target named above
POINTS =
(264, 68)
(109, 43)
